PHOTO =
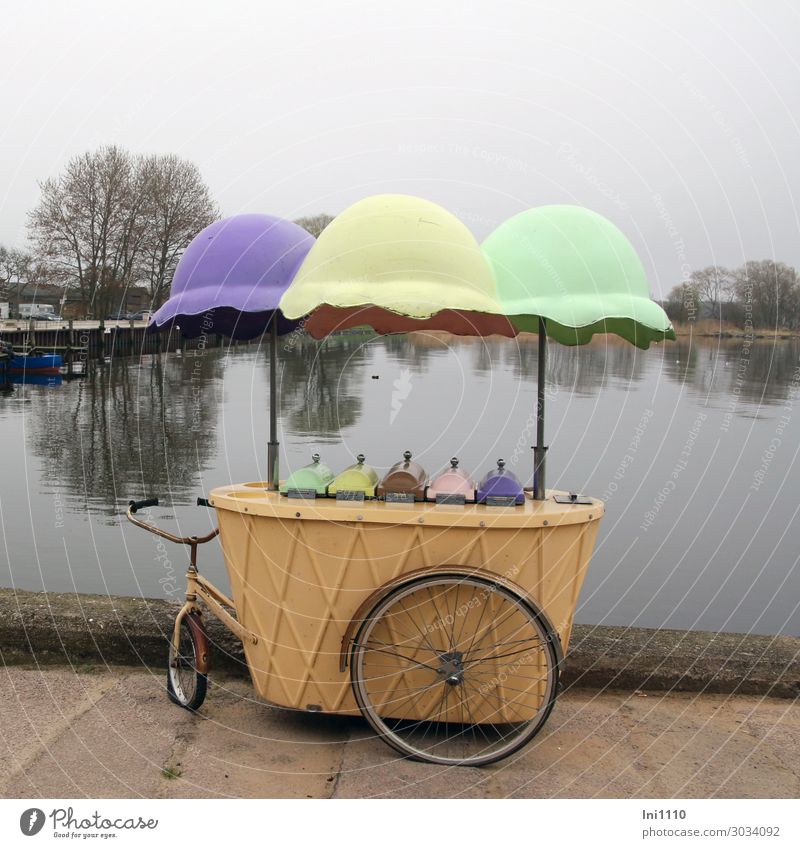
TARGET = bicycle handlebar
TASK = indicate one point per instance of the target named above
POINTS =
(135, 506)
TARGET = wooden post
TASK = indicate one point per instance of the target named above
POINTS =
(70, 345)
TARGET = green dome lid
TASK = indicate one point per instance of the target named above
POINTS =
(576, 270)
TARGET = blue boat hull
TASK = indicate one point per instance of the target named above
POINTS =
(47, 364)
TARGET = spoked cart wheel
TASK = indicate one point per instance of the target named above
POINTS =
(455, 670)
(186, 684)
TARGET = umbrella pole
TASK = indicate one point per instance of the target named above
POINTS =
(272, 446)
(540, 450)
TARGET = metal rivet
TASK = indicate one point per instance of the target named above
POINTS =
(483, 523)
(359, 518)
(245, 509)
(590, 516)
(545, 523)
(421, 520)
(297, 515)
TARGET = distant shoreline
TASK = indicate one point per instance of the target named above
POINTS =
(706, 328)
(711, 329)
(700, 330)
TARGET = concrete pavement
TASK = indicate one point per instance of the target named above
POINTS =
(103, 732)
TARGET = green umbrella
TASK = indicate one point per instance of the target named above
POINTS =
(568, 273)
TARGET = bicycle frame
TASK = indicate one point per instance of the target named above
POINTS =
(197, 587)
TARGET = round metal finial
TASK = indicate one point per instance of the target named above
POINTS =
(315, 457)
(360, 459)
(501, 464)
(454, 462)
(407, 456)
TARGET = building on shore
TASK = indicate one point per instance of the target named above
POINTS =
(68, 302)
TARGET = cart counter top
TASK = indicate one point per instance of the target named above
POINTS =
(257, 499)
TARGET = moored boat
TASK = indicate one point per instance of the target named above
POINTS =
(49, 363)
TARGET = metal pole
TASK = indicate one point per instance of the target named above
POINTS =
(540, 450)
(272, 447)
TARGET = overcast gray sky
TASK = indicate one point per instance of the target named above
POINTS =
(679, 121)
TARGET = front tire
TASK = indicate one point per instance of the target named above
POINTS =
(186, 685)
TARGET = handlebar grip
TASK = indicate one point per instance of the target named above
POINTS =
(203, 502)
(135, 506)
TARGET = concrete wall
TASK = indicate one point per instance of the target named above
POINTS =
(79, 629)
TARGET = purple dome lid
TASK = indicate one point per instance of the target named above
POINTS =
(232, 275)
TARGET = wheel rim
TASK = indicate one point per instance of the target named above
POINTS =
(183, 666)
(454, 670)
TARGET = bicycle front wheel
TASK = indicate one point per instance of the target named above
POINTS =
(186, 684)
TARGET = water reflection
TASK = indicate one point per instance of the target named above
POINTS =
(50, 380)
(174, 426)
(128, 429)
(414, 351)
(318, 386)
(585, 370)
(150, 425)
(758, 372)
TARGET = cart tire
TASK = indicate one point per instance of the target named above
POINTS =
(186, 686)
(455, 670)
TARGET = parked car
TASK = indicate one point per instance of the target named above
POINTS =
(144, 315)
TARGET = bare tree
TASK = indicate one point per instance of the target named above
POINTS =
(112, 218)
(683, 303)
(314, 224)
(768, 292)
(178, 205)
(87, 224)
(714, 284)
(15, 271)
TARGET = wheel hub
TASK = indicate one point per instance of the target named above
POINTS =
(452, 667)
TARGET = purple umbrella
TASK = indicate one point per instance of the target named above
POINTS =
(230, 280)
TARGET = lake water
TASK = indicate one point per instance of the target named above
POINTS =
(693, 445)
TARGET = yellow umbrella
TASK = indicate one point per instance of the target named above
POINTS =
(397, 263)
